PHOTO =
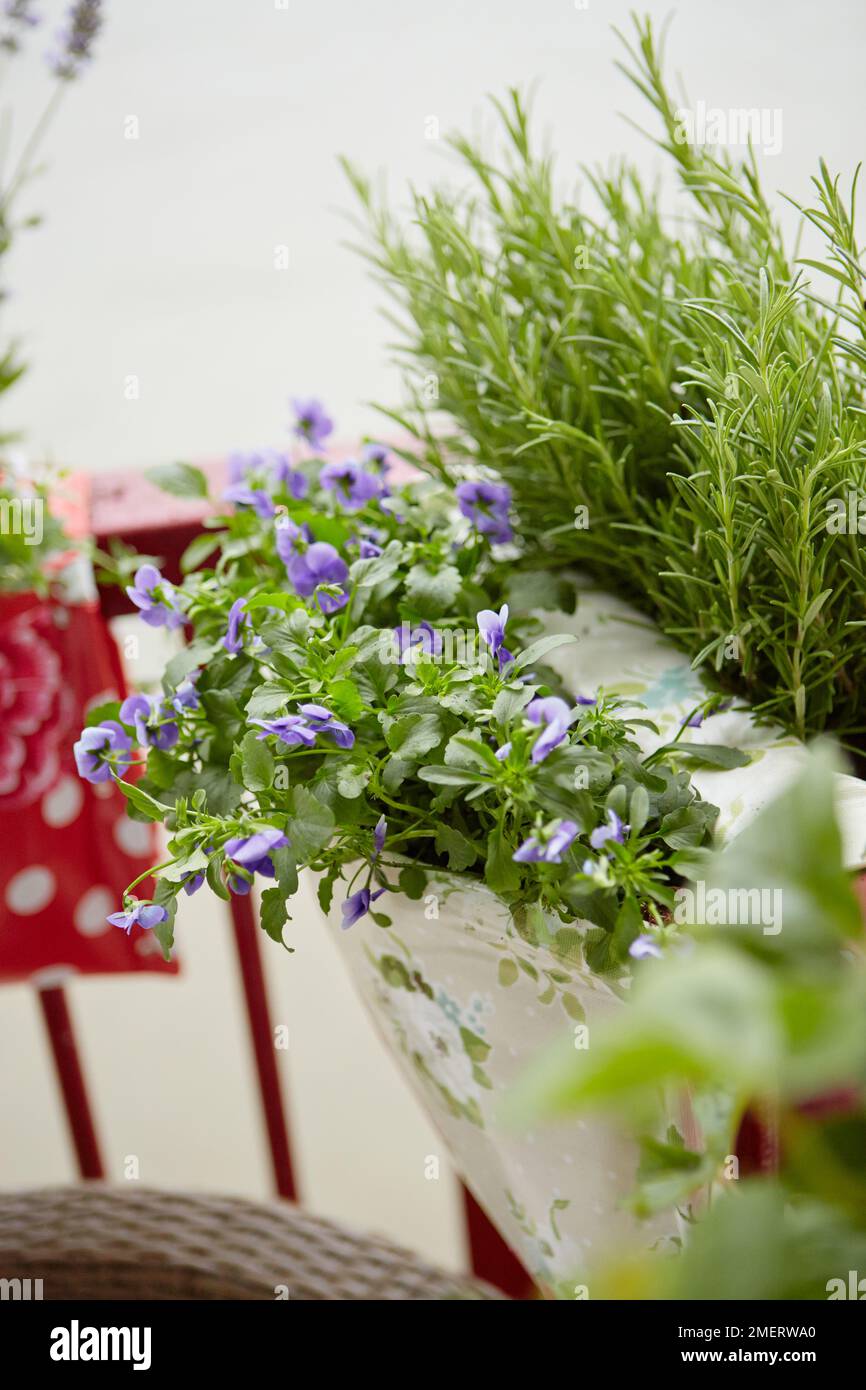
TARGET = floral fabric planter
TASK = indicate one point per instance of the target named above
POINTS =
(466, 999)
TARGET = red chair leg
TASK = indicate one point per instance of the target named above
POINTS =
(490, 1257)
(261, 1032)
(61, 1035)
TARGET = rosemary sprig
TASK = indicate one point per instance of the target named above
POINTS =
(694, 389)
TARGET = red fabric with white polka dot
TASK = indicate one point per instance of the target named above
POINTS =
(67, 848)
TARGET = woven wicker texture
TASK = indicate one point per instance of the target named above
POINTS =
(99, 1242)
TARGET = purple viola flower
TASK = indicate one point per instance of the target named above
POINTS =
(284, 475)
(548, 849)
(332, 603)
(553, 715)
(492, 628)
(312, 421)
(502, 753)
(358, 905)
(102, 749)
(241, 495)
(367, 549)
(645, 945)
(192, 882)
(379, 832)
(586, 700)
(614, 830)
(421, 640)
(486, 505)
(146, 915)
(350, 484)
(253, 853)
(185, 696)
(238, 618)
(291, 729)
(291, 539)
(693, 721)
(376, 454)
(240, 466)
(321, 721)
(318, 564)
(158, 609)
(147, 716)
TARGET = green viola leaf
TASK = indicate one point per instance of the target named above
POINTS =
(166, 896)
(462, 853)
(501, 873)
(179, 479)
(529, 589)
(201, 549)
(687, 827)
(344, 698)
(257, 763)
(413, 881)
(412, 736)
(274, 915)
(142, 801)
(707, 754)
(310, 824)
(432, 593)
(267, 701)
(537, 650)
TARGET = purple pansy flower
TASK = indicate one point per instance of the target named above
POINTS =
(288, 477)
(192, 882)
(253, 853)
(492, 628)
(368, 547)
(379, 832)
(156, 611)
(101, 749)
(312, 421)
(553, 715)
(291, 539)
(376, 454)
(144, 915)
(614, 830)
(645, 945)
(502, 753)
(486, 506)
(420, 640)
(350, 484)
(291, 729)
(268, 468)
(238, 618)
(186, 696)
(147, 716)
(549, 849)
(321, 721)
(318, 564)
(242, 495)
(358, 905)
(586, 700)
(240, 466)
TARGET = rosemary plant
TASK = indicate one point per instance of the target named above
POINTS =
(679, 410)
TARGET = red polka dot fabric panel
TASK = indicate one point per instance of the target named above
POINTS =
(67, 847)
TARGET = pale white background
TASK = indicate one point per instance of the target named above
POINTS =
(157, 260)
